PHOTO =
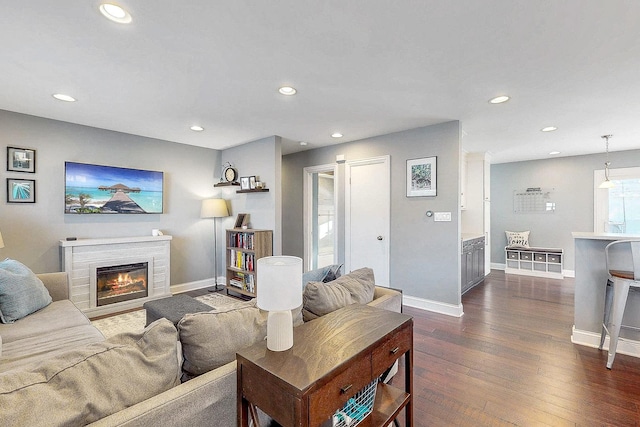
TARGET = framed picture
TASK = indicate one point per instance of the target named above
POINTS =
(21, 190)
(21, 160)
(245, 184)
(252, 182)
(241, 220)
(421, 177)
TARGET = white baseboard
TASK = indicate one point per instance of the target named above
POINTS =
(434, 306)
(502, 267)
(199, 284)
(592, 339)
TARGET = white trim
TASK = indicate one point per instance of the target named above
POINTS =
(386, 161)
(433, 306)
(198, 284)
(307, 202)
(592, 339)
(498, 266)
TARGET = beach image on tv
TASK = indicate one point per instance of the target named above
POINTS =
(96, 189)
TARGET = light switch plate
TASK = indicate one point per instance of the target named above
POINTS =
(442, 216)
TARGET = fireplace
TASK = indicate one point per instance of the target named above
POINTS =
(118, 283)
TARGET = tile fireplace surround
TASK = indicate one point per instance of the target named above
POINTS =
(81, 258)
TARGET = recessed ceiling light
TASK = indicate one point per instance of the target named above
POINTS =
(115, 13)
(499, 99)
(287, 90)
(553, 153)
(63, 97)
(303, 143)
(196, 128)
(549, 129)
(336, 135)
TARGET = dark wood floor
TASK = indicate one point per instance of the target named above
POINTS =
(510, 361)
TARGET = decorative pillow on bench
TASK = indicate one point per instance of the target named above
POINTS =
(90, 383)
(320, 298)
(517, 239)
(21, 292)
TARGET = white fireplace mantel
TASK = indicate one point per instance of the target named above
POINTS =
(79, 259)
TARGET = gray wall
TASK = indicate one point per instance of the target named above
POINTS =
(424, 255)
(572, 179)
(31, 231)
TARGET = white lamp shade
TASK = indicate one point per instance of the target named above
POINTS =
(279, 283)
(214, 208)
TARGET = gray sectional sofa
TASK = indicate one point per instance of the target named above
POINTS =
(49, 349)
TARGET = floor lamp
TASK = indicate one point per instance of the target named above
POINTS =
(214, 208)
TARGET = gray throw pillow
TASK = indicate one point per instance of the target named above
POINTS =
(21, 292)
(356, 287)
(211, 339)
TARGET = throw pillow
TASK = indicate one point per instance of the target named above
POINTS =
(322, 274)
(356, 287)
(21, 292)
(332, 274)
(211, 339)
(517, 239)
(84, 385)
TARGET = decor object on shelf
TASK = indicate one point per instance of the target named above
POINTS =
(242, 220)
(229, 173)
(245, 183)
(214, 208)
(21, 160)
(517, 239)
(98, 189)
(21, 190)
(606, 183)
(252, 182)
(421, 177)
(279, 293)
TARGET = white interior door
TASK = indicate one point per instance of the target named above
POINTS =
(367, 216)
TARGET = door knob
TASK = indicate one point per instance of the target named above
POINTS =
(380, 237)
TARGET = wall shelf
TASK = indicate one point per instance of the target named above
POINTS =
(263, 190)
(226, 184)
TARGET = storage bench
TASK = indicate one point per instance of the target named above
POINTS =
(534, 261)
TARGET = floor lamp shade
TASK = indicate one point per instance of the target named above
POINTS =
(279, 292)
(214, 208)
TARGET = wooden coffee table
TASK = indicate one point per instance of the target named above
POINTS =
(332, 358)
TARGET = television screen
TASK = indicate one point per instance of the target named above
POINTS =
(96, 189)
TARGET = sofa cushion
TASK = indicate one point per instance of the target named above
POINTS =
(87, 384)
(21, 292)
(323, 298)
(211, 339)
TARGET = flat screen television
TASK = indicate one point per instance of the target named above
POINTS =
(97, 189)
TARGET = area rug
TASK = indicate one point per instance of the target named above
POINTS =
(134, 321)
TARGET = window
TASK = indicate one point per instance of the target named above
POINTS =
(617, 209)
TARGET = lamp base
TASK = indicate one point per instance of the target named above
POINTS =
(279, 330)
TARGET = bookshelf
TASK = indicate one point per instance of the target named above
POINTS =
(244, 248)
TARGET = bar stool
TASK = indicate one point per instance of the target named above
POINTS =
(625, 254)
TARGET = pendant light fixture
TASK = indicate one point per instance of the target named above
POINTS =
(606, 183)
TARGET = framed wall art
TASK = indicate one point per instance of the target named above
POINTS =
(245, 183)
(21, 190)
(242, 220)
(421, 177)
(21, 160)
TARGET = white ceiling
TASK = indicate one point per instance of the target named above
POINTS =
(361, 67)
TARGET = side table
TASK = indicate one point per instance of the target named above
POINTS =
(332, 358)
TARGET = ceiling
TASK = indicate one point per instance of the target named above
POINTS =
(361, 67)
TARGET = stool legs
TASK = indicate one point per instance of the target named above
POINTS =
(608, 300)
(620, 294)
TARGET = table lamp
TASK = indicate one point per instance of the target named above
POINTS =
(279, 291)
(214, 208)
